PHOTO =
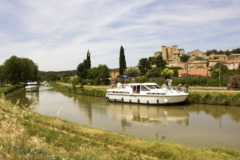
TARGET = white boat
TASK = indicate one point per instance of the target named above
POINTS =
(32, 87)
(146, 93)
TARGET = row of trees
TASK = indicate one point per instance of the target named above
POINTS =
(227, 52)
(95, 75)
(15, 70)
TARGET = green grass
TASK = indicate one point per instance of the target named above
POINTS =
(8, 88)
(27, 135)
(63, 87)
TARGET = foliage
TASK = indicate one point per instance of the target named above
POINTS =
(103, 74)
(122, 61)
(63, 75)
(222, 66)
(132, 71)
(199, 58)
(142, 79)
(83, 67)
(214, 98)
(144, 65)
(184, 58)
(219, 66)
(195, 81)
(159, 62)
(99, 74)
(234, 83)
(15, 70)
(215, 73)
(51, 76)
(227, 52)
(166, 73)
(154, 72)
(88, 63)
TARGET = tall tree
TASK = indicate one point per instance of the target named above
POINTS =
(20, 69)
(82, 69)
(13, 69)
(88, 60)
(144, 65)
(160, 62)
(122, 61)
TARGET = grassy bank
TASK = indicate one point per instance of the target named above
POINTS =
(214, 98)
(27, 135)
(221, 97)
(64, 87)
(8, 88)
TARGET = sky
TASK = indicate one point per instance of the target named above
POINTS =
(57, 34)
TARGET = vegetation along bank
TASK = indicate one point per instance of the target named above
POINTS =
(27, 135)
(6, 88)
(195, 97)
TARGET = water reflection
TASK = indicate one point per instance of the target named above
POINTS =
(23, 98)
(131, 113)
(217, 111)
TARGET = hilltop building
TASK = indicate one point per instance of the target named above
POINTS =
(171, 55)
(198, 60)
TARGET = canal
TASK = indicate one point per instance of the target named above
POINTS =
(190, 125)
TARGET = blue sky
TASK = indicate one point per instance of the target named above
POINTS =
(56, 34)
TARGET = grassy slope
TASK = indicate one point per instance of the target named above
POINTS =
(8, 88)
(27, 135)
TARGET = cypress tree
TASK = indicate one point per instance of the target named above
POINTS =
(122, 61)
(88, 60)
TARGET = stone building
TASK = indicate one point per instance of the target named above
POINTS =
(197, 54)
(171, 55)
(234, 56)
(198, 61)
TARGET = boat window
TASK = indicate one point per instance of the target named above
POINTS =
(144, 88)
(151, 87)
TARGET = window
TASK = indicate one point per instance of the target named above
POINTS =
(144, 88)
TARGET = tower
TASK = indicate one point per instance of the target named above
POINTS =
(164, 53)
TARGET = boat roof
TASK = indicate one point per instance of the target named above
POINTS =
(29, 83)
(140, 84)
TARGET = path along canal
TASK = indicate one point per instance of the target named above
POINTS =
(191, 125)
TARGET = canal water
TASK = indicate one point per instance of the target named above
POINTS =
(190, 125)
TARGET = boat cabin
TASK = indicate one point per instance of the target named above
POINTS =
(137, 88)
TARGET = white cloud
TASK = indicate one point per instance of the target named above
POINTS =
(56, 34)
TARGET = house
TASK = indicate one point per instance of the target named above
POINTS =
(196, 65)
(222, 57)
(235, 56)
(233, 64)
(193, 72)
(114, 73)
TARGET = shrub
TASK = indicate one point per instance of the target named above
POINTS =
(234, 83)
(142, 79)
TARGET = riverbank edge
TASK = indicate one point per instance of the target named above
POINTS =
(28, 135)
(195, 97)
(4, 89)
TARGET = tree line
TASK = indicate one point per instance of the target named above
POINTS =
(15, 70)
(227, 52)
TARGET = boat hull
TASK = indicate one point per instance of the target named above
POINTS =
(32, 89)
(147, 99)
